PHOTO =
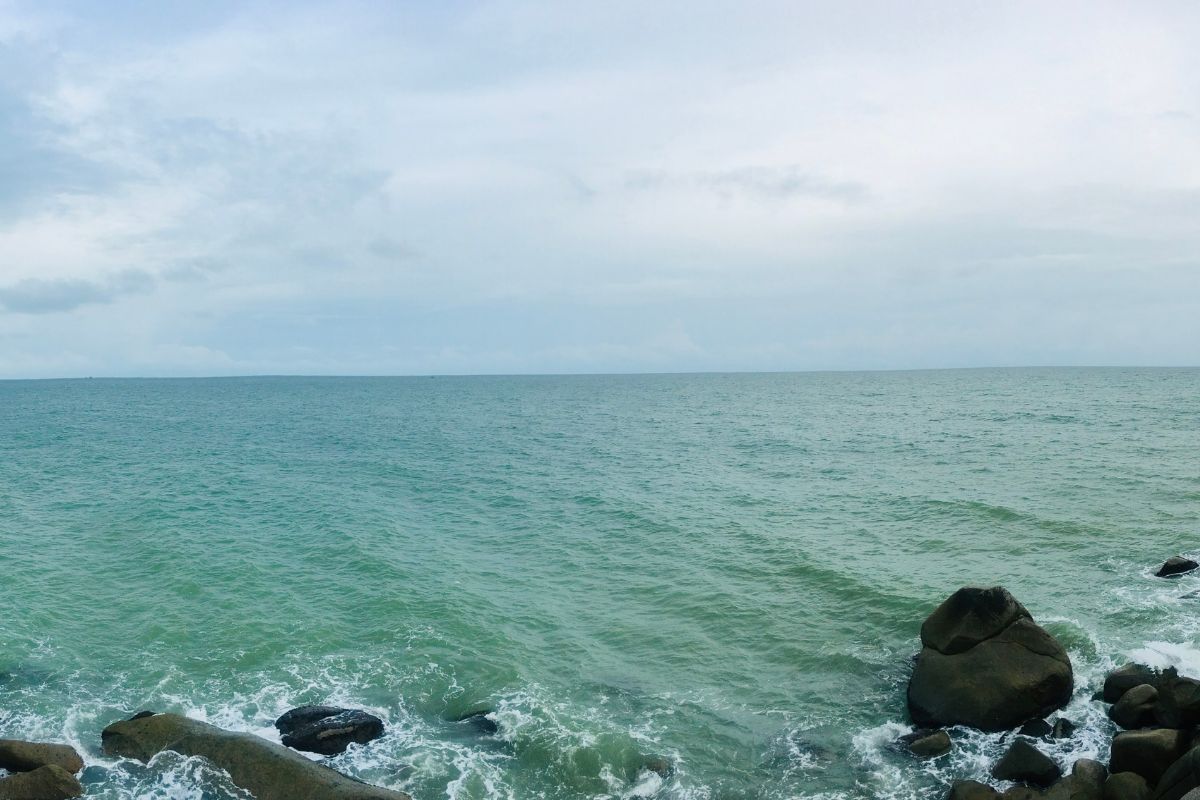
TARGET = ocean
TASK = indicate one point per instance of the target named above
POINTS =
(727, 571)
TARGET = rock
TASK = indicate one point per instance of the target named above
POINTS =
(1086, 782)
(1126, 786)
(1035, 729)
(142, 715)
(1147, 752)
(264, 769)
(1137, 708)
(1063, 728)
(928, 744)
(1175, 565)
(19, 756)
(1124, 678)
(327, 730)
(986, 664)
(659, 766)
(50, 782)
(1024, 763)
(1021, 793)
(481, 721)
(1180, 778)
(1178, 701)
(971, 790)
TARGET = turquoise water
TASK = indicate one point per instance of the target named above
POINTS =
(725, 570)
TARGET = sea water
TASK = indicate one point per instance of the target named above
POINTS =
(725, 571)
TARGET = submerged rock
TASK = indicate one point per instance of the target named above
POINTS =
(1063, 729)
(265, 769)
(660, 766)
(986, 664)
(1036, 729)
(482, 721)
(1148, 753)
(19, 756)
(927, 744)
(1137, 708)
(326, 729)
(1176, 565)
(1024, 763)
(50, 782)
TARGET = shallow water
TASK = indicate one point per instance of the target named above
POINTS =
(725, 570)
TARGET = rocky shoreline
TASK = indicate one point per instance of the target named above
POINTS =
(984, 664)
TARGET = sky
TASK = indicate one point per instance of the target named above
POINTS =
(523, 187)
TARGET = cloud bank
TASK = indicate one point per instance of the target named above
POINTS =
(535, 187)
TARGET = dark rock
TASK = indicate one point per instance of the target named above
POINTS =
(1126, 786)
(327, 730)
(1086, 782)
(986, 664)
(971, 790)
(1063, 729)
(1137, 708)
(1024, 763)
(481, 721)
(660, 766)
(19, 756)
(50, 782)
(1176, 565)
(1180, 778)
(264, 769)
(1021, 793)
(1148, 753)
(1125, 677)
(1035, 729)
(1178, 701)
(142, 715)
(930, 744)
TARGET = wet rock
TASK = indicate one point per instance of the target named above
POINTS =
(971, 790)
(1063, 729)
(1137, 708)
(326, 729)
(1024, 763)
(1178, 701)
(482, 721)
(1148, 752)
(660, 766)
(1021, 793)
(19, 756)
(1035, 729)
(986, 664)
(1176, 565)
(264, 769)
(927, 744)
(50, 782)
(142, 715)
(1126, 786)
(1124, 678)
(1180, 778)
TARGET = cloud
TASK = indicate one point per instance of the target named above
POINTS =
(34, 296)
(759, 182)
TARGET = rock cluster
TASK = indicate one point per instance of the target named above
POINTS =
(41, 771)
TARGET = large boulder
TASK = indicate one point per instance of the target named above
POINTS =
(1086, 782)
(1180, 778)
(19, 756)
(327, 730)
(1137, 708)
(1125, 677)
(986, 664)
(971, 790)
(1178, 700)
(1148, 753)
(265, 769)
(1126, 786)
(1024, 763)
(50, 782)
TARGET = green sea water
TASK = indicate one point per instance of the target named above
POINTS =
(728, 571)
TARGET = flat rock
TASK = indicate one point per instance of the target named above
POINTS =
(264, 769)
(1176, 565)
(50, 782)
(986, 664)
(1024, 763)
(1148, 752)
(19, 756)
(971, 790)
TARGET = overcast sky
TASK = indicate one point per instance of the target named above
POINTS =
(443, 187)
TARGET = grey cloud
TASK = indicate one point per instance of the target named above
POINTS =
(760, 182)
(36, 296)
(390, 249)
